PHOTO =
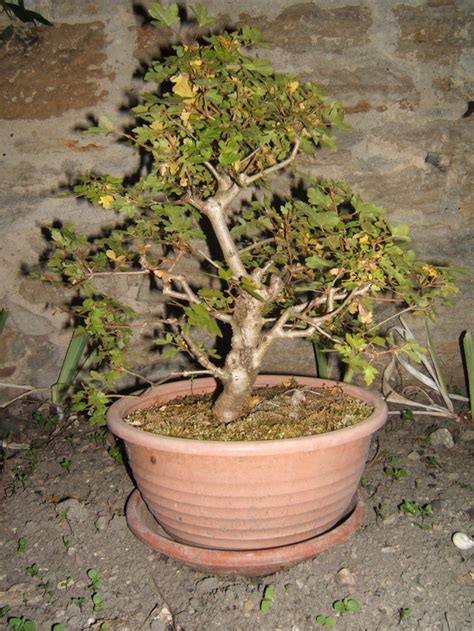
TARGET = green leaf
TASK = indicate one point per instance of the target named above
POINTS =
(315, 261)
(325, 621)
(369, 372)
(107, 123)
(200, 317)
(261, 66)
(225, 274)
(96, 131)
(352, 605)
(202, 16)
(325, 220)
(407, 415)
(167, 16)
(401, 232)
(267, 599)
(317, 197)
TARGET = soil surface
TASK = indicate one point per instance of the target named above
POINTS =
(64, 496)
(286, 411)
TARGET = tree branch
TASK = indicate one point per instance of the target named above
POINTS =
(279, 329)
(255, 245)
(223, 181)
(246, 180)
(201, 357)
(187, 294)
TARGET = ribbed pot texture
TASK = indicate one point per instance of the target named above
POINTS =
(246, 495)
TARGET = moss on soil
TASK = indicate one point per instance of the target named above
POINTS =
(287, 411)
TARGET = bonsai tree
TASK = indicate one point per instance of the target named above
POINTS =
(315, 265)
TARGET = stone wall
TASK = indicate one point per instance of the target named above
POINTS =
(403, 71)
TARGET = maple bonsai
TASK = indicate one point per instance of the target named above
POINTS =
(310, 266)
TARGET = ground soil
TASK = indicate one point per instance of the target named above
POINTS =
(64, 502)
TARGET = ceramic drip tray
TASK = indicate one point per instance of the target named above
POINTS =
(236, 562)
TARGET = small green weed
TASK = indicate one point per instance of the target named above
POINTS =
(21, 473)
(267, 599)
(45, 422)
(66, 583)
(62, 515)
(115, 454)
(65, 540)
(32, 453)
(21, 545)
(419, 511)
(433, 461)
(4, 611)
(325, 621)
(95, 582)
(392, 459)
(396, 473)
(94, 585)
(99, 437)
(21, 624)
(33, 570)
(58, 627)
(346, 605)
(97, 602)
(404, 613)
(407, 415)
(45, 588)
(66, 464)
(380, 511)
(79, 601)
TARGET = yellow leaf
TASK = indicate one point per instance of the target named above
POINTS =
(110, 254)
(365, 315)
(184, 116)
(293, 85)
(227, 43)
(196, 63)
(157, 126)
(106, 200)
(251, 403)
(173, 167)
(364, 239)
(183, 87)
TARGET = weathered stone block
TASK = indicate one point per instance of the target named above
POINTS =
(433, 32)
(306, 25)
(62, 71)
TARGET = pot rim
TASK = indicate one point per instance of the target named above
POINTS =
(134, 435)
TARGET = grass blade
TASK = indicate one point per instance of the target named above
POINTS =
(70, 365)
(439, 373)
(322, 367)
(468, 350)
(3, 319)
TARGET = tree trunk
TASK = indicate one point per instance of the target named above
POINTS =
(243, 362)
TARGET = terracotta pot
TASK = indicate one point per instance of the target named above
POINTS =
(246, 495)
